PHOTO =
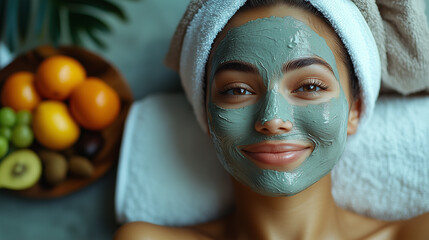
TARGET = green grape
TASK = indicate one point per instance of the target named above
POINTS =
(22, 136)
(23, 117)
(6, 132)
(4, 146)
(7, 117)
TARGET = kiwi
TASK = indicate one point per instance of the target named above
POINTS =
(55, 167)
(20, 170)
(80, 167)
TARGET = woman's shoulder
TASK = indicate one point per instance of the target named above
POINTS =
(358, 227)
(415, 228)
(369, 228)
(144, 230)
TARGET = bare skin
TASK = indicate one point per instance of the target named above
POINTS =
(311, 214)
(297, 217)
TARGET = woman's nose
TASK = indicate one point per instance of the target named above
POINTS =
(274, 126)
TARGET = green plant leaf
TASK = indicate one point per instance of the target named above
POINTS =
(83, 23)
(54, 22)
(23, 19)
(40, 16)
(82, 20)
(15, 20)
(11, 24)
(96, 40)
(102, 5)
(2, 18)
(75, 32)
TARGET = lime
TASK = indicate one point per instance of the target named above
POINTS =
(23, 117)
(4, 146)
(7, 117)
(6, 132)
(22, 136)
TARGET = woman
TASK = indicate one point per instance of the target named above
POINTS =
(281, 97)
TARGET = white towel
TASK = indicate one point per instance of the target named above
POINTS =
(384, 171)
(168, 173)
(5, 56)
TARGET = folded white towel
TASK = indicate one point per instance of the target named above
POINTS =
(5, 56)
(168, 173)
(384, 171)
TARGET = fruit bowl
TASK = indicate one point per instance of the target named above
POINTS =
(95, 66)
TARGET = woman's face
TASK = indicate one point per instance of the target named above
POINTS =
(277, 99)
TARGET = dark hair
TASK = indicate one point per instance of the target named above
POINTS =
(345, 57)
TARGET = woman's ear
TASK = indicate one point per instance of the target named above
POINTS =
(354, 116)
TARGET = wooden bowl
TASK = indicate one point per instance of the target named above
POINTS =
(97, 67)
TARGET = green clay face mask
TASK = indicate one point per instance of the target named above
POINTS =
(268, 44)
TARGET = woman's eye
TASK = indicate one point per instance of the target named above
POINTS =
(311, 86)
(237, 91)
(308, 88)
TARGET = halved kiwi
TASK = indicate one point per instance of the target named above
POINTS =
(20, 170)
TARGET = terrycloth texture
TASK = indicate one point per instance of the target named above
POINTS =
(197, 42)
(401, 30)
(384, 172)
(213, 15)
(168, 173)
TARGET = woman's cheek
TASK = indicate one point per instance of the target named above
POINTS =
(231, 125)
(325, 122)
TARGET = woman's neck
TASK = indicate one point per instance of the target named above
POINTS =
(311, 214)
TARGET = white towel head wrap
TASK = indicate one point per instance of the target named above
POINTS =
(205, 19)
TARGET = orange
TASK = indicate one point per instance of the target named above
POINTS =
(19, 92)
(94, 104)
(57, 76)
(53, 125)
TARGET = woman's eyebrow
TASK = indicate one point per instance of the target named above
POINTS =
(237, 66)
(305, 62)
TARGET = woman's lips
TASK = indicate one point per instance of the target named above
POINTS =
(273, 154)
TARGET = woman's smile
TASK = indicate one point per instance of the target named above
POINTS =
(280, 156)
(258, 96)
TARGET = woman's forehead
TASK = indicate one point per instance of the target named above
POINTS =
(282, 10)
(314, 22)
(270, 43)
